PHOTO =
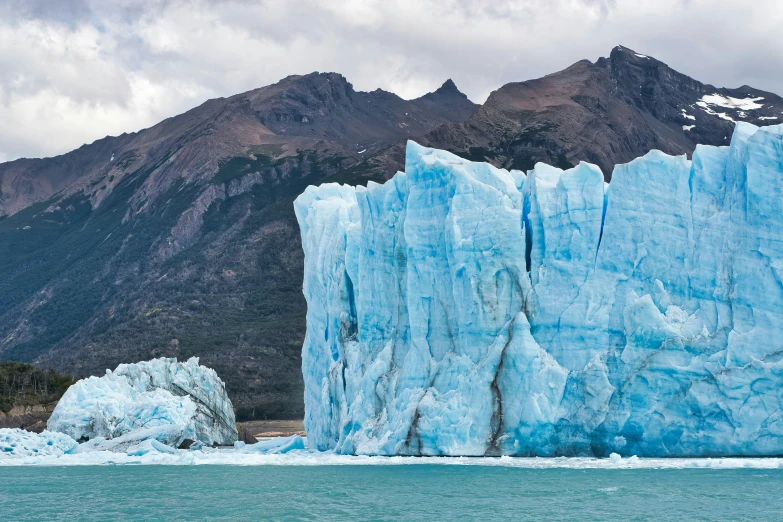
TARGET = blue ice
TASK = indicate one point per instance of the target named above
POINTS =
(461, 309)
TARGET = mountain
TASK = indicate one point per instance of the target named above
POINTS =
(180, 240)
(607, 112)
(307, 112)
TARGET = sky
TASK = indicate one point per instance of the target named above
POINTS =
(73, 71)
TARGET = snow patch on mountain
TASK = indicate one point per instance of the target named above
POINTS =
(728, 102)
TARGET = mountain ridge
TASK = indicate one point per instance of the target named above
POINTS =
(605, 112)
(279, 109)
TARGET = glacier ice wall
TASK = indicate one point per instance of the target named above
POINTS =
(161, 399)
(460, 309)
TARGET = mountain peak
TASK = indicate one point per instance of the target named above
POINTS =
(448, 98)
(448, 87)
(319, 81)
(626, 52)
(447, 90)
(621, 54)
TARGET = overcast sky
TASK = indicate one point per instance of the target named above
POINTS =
(73, 71)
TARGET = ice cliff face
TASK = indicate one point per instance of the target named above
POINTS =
(159, 400)
(460, 309)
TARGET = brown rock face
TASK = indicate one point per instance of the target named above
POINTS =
(31, 418)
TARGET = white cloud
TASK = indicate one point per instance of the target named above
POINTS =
(77, 70)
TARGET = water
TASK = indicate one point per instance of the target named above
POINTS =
(402, 492)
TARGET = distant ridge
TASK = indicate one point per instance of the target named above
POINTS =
(607, 112)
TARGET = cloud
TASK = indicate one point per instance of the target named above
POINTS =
(77, 70)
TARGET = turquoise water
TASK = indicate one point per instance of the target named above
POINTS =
(405, 492)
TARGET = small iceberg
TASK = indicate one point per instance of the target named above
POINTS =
(175, 403)
(138, 409)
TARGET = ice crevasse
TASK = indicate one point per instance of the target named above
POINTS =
(461, 309)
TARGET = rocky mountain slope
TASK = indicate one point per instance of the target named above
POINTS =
(180, 240)
(312, 112)
(606, 112)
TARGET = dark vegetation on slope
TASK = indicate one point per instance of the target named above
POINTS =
(181, 240)
(233, 297)
(26, 385)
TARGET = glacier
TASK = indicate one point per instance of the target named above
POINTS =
(163, 400)
(460, 309)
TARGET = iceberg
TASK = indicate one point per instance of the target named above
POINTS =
(162, 400)
(462, 309)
